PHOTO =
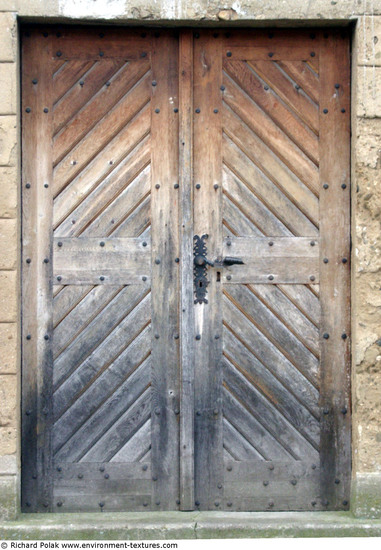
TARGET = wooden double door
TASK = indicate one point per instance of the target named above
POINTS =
(185, 269)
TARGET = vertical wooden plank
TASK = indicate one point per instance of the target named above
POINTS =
(36, 270)
(335, 275)
(186, 270)
(208, 319)
(165, 288)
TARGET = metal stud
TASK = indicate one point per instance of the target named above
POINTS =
(177, 260)
(46, 110)
(271, 503)
(230, 504)
(102, 469)
(27, 185)
(59, 469)
(312, 278)
(154, 478)
(46, 504)
(343, 110)
(326, 411)
(312, 243)
(216, 503)
(28, 504)
(198, 413)
(344, 260)
(28, 337)
(34, 476)
(217, 337)
(34, 81)
(144, 243)
(216, 186)
(176, 186)
(80, 476)
(59, 278)
(101, 504)
(154, 83)
(46, 337)
(157, 186)
(145, 468)
(343, 186)
(271, 277)
(143, 54)
(175, 110)
(271, 54)
(313, 503)
(197, 503)
(265, 87)
(228, 54)
(271, 243)
(157, 261)
(106, 476)
(59, 504)
(28, 109)
(198, 186)
(219, 486)
(198, 110)
(325, 186)
(337, 86)
(293, 482)
(28, 260)
(313, 466)
(325, 111)
(58, 54)
(215, 412)
(345, 503)
(157, 336)
(297, 87)
(344, 410)
(271, 467)
(325, 260)
(101, 54)
(178, 502)
(101, 278)
(228, 243)
(215, 111)
(177, 411)
(312, 54)
(46, 185)
(228, 277)
(229, 468)
(46, 260)
(157, 111)
(81, 82)
(326, 336)
(222, 87)
(337, 481)
(145, 504)
(144, 278)
(28, 412)
(344, 336)
(101, 243)
(265, 483)
(198, 337)
(177, 336)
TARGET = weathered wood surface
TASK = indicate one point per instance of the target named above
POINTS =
(37, 322)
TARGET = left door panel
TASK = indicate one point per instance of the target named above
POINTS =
(100, 276)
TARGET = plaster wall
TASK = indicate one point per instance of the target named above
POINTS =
(365, 15)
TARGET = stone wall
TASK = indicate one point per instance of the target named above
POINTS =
(366, 204)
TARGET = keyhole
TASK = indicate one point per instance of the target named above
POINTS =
(218, 276)
(200, 284)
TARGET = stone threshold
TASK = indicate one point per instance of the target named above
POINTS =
(187, 525)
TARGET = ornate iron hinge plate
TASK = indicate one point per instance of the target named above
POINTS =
(200, 269)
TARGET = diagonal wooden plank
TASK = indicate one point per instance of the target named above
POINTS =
(271, 165)
(284, 88)
(291, 316)
(78, 412)
(121, 431)
(265, 190)
(78, 96)
(254, 209)
(101, 181)
(264, 127)
(300, 445)
(128, 92)
(305, 300)
(65, 300)
(269, 355)
(122, 205)
(106, 353)
(81, 315)
(303, 76)
(252, 430)
(237, 446)
(135, 449)
(305, 139)
(101, 155)
(235, 219)
(69, 75)
(275, 331)
(293, 401)
(136, 222)
(119, 308)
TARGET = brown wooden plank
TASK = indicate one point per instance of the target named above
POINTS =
(165, 273)
(271, 134)
(66, 299)
(69, 75)
(93, 200)
(265, 190)
(187, 498)
(305, 300)
(208, 220)
(133, 450)
(304, 108)
(137, 222)
(306, 140)
(273, 52)
(235, 221)
(270, 164)
(304, 77)
(120, 97)
(335, 275)
(37, 296)
(89, 260)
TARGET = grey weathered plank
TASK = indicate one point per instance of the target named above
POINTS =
(85, 260)
(37, 297)
(136, 447)
(237, 445)
(66, 299)
(304, 300)
(335, 275)
(267, 353)
(165, 272)
(235, 220)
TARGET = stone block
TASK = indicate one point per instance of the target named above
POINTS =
(8, 498)
(369, 41)
(8, 37)
(8, 400)
(368, 92)
(8, 441)
(367, 147)
(366, 495)
(8, 140)
(8, 348)
(8, 244)
(8, 296)
(8, 465)
(8, 192)
(8, 88)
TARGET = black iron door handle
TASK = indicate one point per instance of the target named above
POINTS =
(230, 260)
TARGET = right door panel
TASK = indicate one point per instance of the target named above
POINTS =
(271, 175)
